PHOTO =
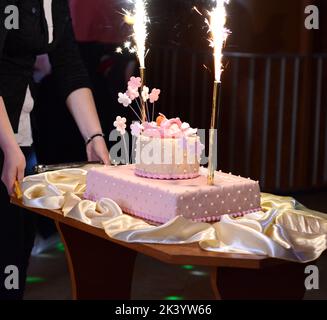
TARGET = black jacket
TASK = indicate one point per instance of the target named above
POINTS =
(19, 48)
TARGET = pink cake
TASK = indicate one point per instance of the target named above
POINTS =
(162, 200)
(168, 149)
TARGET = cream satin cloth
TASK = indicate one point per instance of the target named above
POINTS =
(284, 229)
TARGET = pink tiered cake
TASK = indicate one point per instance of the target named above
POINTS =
(166, 180)
(162, 200)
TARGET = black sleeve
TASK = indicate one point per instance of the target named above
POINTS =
(66, 62)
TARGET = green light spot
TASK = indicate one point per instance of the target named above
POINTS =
(188, 267)
(30, 280)
(60, 247)
(174, 298)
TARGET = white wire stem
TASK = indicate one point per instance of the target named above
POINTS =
(139, 106)
(147, 110)
(152, 111)
(135, 113)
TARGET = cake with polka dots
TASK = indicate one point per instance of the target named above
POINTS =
(160, 200)
(166, 180)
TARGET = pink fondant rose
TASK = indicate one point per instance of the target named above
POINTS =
(152, 130)
(168, 128)
(172, 127)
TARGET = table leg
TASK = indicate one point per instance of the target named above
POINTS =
(99, 268)
(282, 282)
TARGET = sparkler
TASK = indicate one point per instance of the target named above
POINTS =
(219, 35)
(139, 19)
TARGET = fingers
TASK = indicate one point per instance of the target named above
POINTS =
(20, 173)
(106, 159)
(12, 171)
(89, 154)
(99, 156)
(9, 178)
(97, 151)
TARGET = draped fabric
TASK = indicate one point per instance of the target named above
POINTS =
(284, 228)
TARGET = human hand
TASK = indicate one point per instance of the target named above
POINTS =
(97, 151)
(13, 168)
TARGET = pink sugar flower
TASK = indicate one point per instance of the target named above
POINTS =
(135, 83)
(132, 93)
(136, 129)
(120, 125)
(151, 129)
(124, 99)
(154, 95)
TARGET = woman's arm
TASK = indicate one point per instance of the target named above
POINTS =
(14, 160)
(81, 105)
(73, 83)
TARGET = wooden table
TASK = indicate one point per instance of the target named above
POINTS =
(102, 268)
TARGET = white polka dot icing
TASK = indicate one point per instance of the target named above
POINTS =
(162, 200)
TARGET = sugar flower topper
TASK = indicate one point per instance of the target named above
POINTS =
(132, 93)
(124, 99)
(135, 83)
(140, 95)
(145, 93)
(120, 125)
(154, 95)
(136, 129)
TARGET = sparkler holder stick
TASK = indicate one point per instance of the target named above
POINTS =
(215, 106)
(18, 190)
(143, 107)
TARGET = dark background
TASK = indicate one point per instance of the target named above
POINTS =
(273, 119)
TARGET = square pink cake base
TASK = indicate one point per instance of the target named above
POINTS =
(162, 200)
